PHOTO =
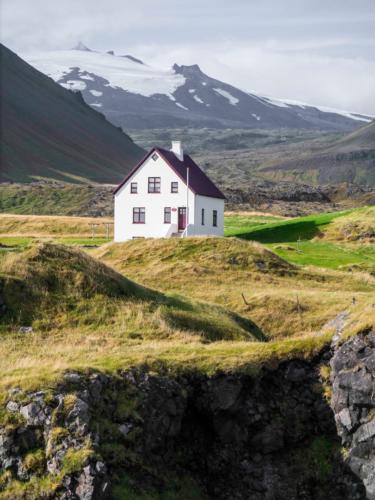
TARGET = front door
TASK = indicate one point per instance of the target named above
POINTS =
(181, 218)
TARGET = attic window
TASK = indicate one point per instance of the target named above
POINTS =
(174, 187)
(154, 156)
(134, 187)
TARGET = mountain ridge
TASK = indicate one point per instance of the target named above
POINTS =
(133, 94)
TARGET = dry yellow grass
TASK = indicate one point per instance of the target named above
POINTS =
(52, 225)
(358, 226)
(283, 300)
(81, 322)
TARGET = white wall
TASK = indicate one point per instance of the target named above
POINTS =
(154, 203)
(209, 204)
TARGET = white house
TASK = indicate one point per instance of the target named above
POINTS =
(166, 195)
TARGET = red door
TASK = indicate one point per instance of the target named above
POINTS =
(181, 218)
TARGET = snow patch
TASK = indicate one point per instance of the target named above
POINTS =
(198, 99)
(227, 95)
(86, 77)
(181, 106)
(287, 103)
(120, 72)
(257, 117)
(204, 83)
(74, 85)
(96, 93)
(191, 91)
(96, 104)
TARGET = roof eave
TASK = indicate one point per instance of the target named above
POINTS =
(133, 170)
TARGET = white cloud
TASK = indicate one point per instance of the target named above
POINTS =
(315, 51)
(346, 83)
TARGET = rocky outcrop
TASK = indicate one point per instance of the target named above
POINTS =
(231, 435)
(353, 403)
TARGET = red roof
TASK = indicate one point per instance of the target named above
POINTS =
(199, 183)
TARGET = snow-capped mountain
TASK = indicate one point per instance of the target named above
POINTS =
(133, 94)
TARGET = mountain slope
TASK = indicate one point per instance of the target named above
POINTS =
(135, 95)
(49, 132)
(349, 159)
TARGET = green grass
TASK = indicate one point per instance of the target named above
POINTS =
(234, 223)
(306, 240)
(304, 228)
(323, 254)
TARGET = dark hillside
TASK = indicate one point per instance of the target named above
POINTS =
(349, 159)
(49, 132)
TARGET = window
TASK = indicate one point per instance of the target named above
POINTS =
(134, 187)
(154, 184)
(167, 215)
(214, 218)
(202, 217)
(154, 156)
(139, 215)
(174, 187)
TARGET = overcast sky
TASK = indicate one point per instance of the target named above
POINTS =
(317, 51)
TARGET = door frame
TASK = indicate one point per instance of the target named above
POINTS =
(182, 212)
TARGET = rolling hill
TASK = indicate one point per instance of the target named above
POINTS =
(50, 132)
(348, 159)
(133, 94)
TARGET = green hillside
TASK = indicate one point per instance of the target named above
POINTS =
(49, 132)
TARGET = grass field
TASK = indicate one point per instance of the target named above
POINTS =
(333, 240)
(217, 298)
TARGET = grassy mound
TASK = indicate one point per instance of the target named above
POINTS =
(56, 286)
(187, 257)
(358, 226)
(283, 300)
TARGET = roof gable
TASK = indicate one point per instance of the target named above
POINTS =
(199, 182)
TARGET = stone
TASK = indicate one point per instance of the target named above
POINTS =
(125, 429)
(295, 373)
(73, 378)
(353, 386)
(224, 393)
(365, 432)
(12, 406)
(344, 418)
(100, 468)
(33, 414)
(25, 329)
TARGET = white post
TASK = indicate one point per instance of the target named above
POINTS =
(187, 200)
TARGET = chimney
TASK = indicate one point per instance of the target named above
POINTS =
(177, 150)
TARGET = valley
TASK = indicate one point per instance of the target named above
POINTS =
(182, 368)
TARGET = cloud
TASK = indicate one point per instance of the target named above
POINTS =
(314, 51)
(345, 83)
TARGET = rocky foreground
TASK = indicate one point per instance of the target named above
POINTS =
(305, 430)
